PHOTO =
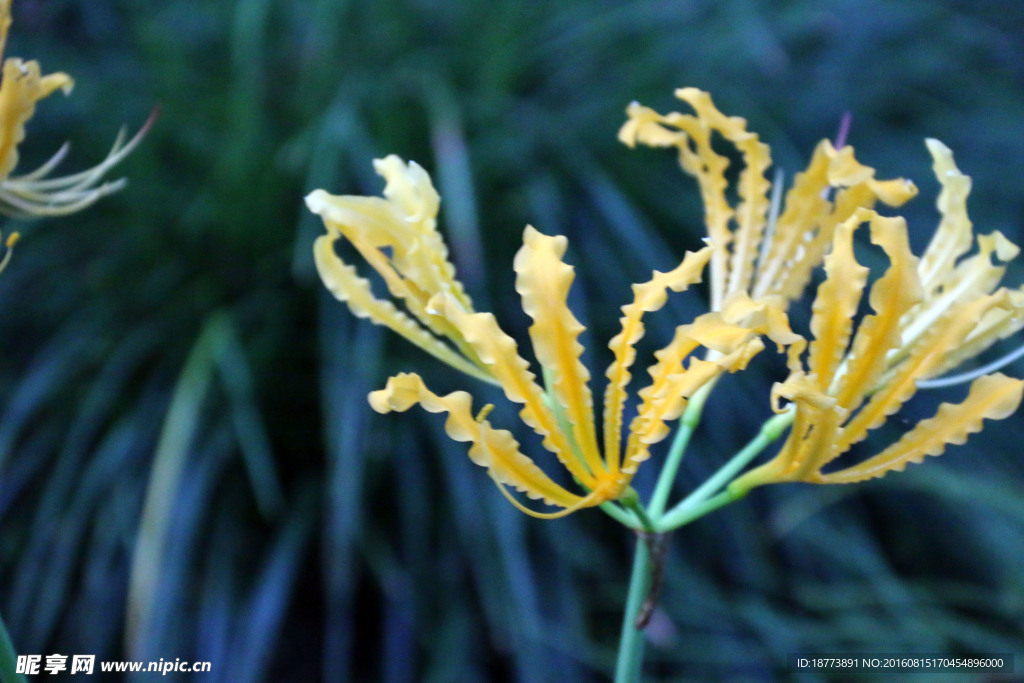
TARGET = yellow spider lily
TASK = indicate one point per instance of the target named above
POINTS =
(34, 194)
(397, 236)
(928, 316)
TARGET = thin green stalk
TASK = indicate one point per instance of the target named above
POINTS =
(682, 516)
(631, 642)
(9, 657)
(623, 516)
(770, 431)
(687, 425)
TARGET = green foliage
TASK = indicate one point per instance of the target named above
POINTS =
(189, 468)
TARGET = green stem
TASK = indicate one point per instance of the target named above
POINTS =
(625, 517)
(687, 425)
(681, 516)
(770, 431)
(9, 657)
(631, 643)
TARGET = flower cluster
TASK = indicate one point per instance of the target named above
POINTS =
(928, 315)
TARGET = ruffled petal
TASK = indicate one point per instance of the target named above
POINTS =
(994, 325)
(673, 381)
(543, 281)
(805, 229)
(404, 223)
(892, 295)
(752, 187)
(811, 438)
(794, 242)
(953, 237)
(692, 138)
(346, 285)
(647, 298)
(836, 304)
(494, 449)
(973, 277)
(992, 397)
(926, 360)
(499, 354)
(23, 85)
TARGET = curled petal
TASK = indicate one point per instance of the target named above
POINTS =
(766, 315)
(543, 281)
(23, 85)
(692, 138)
(992, 397)
(996, 324)
(494, 449)
(953, 237)
(346, 285)
(500, 355)
(797, 229)
(836, 304)
(926, 360)
(647, 298)
(811, 438)
(672, 382)
(752, 187)
(972, 278)
(892, 295)
(404, 222)
(805, 229)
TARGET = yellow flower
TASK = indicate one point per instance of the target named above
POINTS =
(397, 235)
(34, 194)
(928, 316)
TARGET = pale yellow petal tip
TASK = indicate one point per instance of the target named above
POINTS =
(12, 239)
(997, 243)
(317, 202)
(401, 393)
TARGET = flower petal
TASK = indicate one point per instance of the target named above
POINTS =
(495, 449)
(346, 285)
(836, 304)
(23, 85)
(672, 384)
(992, 397)
(995, 324)
(926, 360)
(543, 281)
(404, 222)
(804, 230)
(953, 237)
(796, 229)
(692, 138)
(892, 295)
(973, 277)
(499, 353)
(752, 186)
(647, 298)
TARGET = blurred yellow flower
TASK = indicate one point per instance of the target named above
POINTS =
(35, 194)
(397, 236)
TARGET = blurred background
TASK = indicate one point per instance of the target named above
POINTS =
(188, 465)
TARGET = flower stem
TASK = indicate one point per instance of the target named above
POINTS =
(9, 658)
(683, 512)
(631, 642)
(687, 425)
